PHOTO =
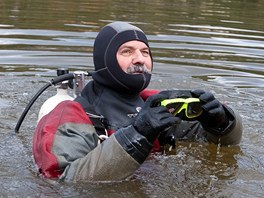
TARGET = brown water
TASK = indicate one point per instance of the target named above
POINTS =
(216, 45)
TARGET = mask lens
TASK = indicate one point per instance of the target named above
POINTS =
(174, 107)
(194, 109)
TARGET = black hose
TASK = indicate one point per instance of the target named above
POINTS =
(52, 82)
(62, 78)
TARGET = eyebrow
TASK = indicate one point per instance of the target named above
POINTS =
(131, 47)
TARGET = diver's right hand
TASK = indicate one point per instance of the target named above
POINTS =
(153, 118)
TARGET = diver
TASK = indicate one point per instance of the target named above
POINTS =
(108, 131)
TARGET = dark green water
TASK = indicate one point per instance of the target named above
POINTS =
(216, 45)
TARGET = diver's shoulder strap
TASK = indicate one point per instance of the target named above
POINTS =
(98, 121)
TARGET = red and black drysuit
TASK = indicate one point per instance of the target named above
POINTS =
(66, 144)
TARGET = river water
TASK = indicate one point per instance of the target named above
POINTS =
(216, 45)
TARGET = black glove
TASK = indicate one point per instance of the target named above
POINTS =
(153, 118)
(177, 93)
(168, 137)
(214, 115)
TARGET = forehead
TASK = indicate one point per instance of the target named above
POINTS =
(134, 44)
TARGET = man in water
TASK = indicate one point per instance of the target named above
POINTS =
(108, 132)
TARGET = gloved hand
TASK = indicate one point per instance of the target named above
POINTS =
(168, 137)
(214, 115)
(153, 118)
(177, 93)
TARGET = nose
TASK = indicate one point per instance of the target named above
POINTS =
(138, 58)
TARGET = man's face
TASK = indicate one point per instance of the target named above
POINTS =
(134, 57)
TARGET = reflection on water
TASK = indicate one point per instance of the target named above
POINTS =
(214, 45)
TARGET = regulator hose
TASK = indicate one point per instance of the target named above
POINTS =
(50, 83)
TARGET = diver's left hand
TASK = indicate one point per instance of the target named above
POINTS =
(177, 93)
(214, 115)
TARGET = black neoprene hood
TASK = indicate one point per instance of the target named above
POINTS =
(107, 70)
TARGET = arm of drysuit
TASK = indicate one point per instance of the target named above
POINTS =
(223, 124)
(114, 159)
(65, 145)
(122, 153)
(194, 131)
(111, 160)
(218, 124)
(231, 134)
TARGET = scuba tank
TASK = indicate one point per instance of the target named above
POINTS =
(61, 95)
(63, 81)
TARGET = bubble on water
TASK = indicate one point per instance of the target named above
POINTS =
(198, 161)
(213, 177)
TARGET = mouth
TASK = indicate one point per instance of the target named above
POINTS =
(138, 72)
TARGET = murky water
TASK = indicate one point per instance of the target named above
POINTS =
(217, 45)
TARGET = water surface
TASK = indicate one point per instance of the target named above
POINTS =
(216, 45)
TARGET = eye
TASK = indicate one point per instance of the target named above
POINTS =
(126, 52)
(145, 53)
